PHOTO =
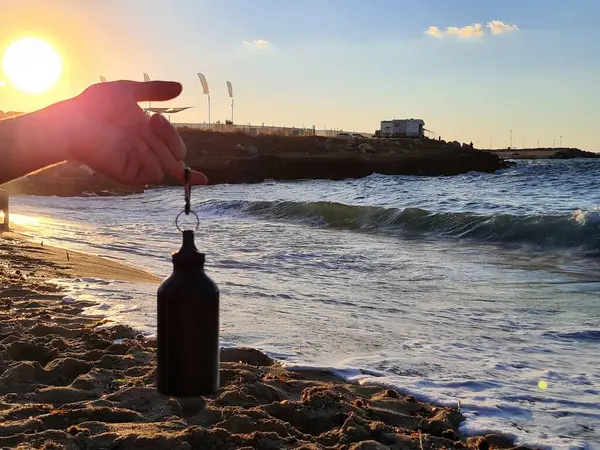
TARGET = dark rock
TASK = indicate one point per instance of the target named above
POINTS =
(570, 153)
(499, 441)
(391, 393)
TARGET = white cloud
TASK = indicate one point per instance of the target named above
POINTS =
(259, 43)
(435, 32)
(499, 27)
(472, 31)
(468, 31)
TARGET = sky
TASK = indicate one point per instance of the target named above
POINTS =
(471, 69)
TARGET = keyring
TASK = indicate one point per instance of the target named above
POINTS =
(183, 212)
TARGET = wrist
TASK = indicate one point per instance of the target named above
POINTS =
(53, 129)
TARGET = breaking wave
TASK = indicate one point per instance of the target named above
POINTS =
(577, 230)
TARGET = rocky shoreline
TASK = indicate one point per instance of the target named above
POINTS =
(241, 158)
(69, 381)
(544, 153)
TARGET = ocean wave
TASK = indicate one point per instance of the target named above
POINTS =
(585, 335)
(577, 230)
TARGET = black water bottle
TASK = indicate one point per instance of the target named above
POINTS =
(188, 327)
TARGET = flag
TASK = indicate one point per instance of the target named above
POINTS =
(204, 83)
(230, 89)
(146, 77)
(102, 79)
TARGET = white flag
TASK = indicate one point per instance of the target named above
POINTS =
(146, 77)
(230, 89)
(102, 79)
(204, 84)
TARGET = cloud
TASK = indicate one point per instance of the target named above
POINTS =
(435, 32)
(259, 43)
(499, 27)
(471, 31)
(468, 31)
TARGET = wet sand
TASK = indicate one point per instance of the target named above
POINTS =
(67, 384)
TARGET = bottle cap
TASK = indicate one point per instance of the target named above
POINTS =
(188, 254)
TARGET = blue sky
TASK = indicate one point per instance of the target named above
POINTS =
(349, 65)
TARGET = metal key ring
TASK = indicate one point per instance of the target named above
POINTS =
(183, 212)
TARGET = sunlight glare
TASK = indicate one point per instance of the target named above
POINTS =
(32, 65)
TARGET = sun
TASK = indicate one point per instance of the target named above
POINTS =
(32, 65)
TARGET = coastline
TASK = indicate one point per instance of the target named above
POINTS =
(236, 158)
(66, 382)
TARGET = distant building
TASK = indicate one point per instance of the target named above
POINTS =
(402, 128)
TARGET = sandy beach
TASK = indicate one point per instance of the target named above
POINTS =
(65, 383)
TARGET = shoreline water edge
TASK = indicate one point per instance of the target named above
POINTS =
(75, 381)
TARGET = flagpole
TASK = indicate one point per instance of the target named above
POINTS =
(230, 92)
(206, 92)
(147, 79)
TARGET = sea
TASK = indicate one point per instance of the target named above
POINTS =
(478, 290)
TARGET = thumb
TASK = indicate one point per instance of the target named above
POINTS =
(145, 91)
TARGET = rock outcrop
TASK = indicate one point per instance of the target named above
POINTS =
(239, 158)
(570, 153)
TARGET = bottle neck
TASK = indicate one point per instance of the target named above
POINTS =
(187, 266)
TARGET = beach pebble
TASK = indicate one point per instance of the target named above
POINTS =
(391, 393)
(449, 434)
(479, 443)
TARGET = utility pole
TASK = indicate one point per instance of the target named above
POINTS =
(554, 143)
(538, 144)
(561, 142)
(511, 143)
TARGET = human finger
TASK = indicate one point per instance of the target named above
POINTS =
(169, 135)
(168, 161)
(144, 91)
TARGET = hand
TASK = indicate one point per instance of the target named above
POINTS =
(110, 133)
